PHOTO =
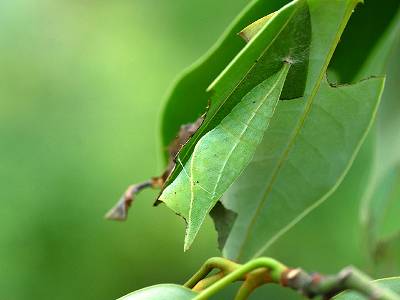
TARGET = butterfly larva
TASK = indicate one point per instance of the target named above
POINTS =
(220, 155)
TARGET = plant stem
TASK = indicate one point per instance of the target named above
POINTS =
(329, 286)
(206, 282)
(119, 211)
(358, 281)
(244, 292)
(275, 268)
(264, 270)
(223, 264)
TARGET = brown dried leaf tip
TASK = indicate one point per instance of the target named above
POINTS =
(119, 211)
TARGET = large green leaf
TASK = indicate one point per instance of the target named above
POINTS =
(161, 292)
(188, 98)
(285, 37)
(344, 236)
(377, 40)
(388, 283)
(292, 181)
(221, 155)
(307, 150)
(334, 225)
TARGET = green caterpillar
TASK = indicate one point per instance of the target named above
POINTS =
(221, 155)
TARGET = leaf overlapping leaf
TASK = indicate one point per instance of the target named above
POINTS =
(323, 128)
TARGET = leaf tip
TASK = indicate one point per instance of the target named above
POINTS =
(187, 244)
(251, 30)
(190, 235)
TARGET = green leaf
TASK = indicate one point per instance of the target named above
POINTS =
(344, 202)
(296, 173)
(221, 155)
(388, 283)
(179, 108)
(380, 221)
(250, 31)
(388, 144)
(375, 38)
(285, 37)
(307, 150)
(375, 208)
(161, 292)
(379, 216)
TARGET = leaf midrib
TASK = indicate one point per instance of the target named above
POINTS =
(295, 133)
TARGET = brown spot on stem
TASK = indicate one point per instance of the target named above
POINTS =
(120, 210)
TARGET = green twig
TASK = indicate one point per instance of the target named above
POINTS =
(253, 280)
(267, 270)
(220, 263)
(206, 282)
(275, 271)
(245, 290)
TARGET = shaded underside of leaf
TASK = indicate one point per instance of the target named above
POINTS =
(223, 221)
(354, 58)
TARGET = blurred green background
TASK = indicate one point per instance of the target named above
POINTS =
(81, 89)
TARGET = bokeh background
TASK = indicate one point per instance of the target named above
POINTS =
(81, 90)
